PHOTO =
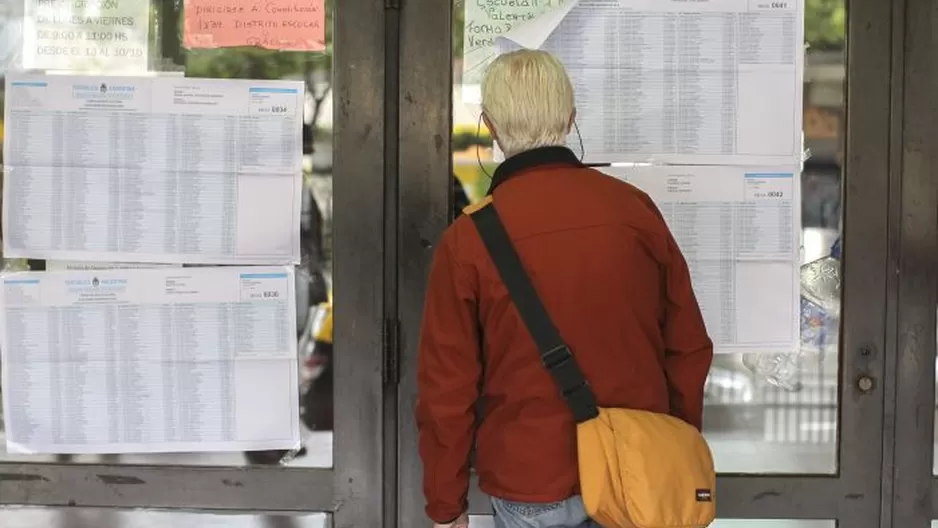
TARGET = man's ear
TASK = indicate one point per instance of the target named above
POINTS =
(572, 121)
(488, 125)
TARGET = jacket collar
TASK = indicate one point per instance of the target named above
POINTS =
(531, 159)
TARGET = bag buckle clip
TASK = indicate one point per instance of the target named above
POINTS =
(561, 364)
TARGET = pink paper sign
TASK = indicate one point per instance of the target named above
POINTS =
(290, 25)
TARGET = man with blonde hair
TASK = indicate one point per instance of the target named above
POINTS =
(609, 273)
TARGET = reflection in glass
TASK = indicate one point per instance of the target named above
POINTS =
(784, 404)
(314, 291)
(94, 518)
(788, 400)
(746, 417)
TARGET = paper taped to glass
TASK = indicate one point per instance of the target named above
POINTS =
(487, 19)
(150, 360)
(534, 33)
(153, 169)
(289, 25)
(739, 230)
(88, 35)
(710, 82)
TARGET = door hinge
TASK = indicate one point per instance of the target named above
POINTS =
(392, 4)
(392, 351)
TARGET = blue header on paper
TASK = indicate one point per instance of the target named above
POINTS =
(95, 282)
(769, 175)
(263, 275)
(273, 90)
(36, 84)
(21, 281)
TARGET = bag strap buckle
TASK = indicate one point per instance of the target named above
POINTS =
(573, 386)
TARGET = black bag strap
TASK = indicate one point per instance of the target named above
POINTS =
(555, 354)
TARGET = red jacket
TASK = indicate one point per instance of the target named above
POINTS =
(618, 289)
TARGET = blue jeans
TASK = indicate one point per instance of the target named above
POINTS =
(569, 513)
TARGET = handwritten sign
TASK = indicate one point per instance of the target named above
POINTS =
(86, 35)
(488, 19)
(290, 25)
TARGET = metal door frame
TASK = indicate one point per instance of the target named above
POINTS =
(912, 499)
(876, 43)
(351, 491)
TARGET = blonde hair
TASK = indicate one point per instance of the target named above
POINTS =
(528, 100)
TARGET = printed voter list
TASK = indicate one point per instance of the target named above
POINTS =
(159, 169)
(150, 360)
(708, 82)
(739, 230)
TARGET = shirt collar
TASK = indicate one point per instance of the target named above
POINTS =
(531, 159)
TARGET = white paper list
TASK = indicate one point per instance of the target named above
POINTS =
(159, 170)
(739, 229)
(709, 82)
(150, 360)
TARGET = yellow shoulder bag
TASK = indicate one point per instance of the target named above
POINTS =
(637, 468)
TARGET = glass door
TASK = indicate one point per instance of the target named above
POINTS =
(342, 380)
(788, 431)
